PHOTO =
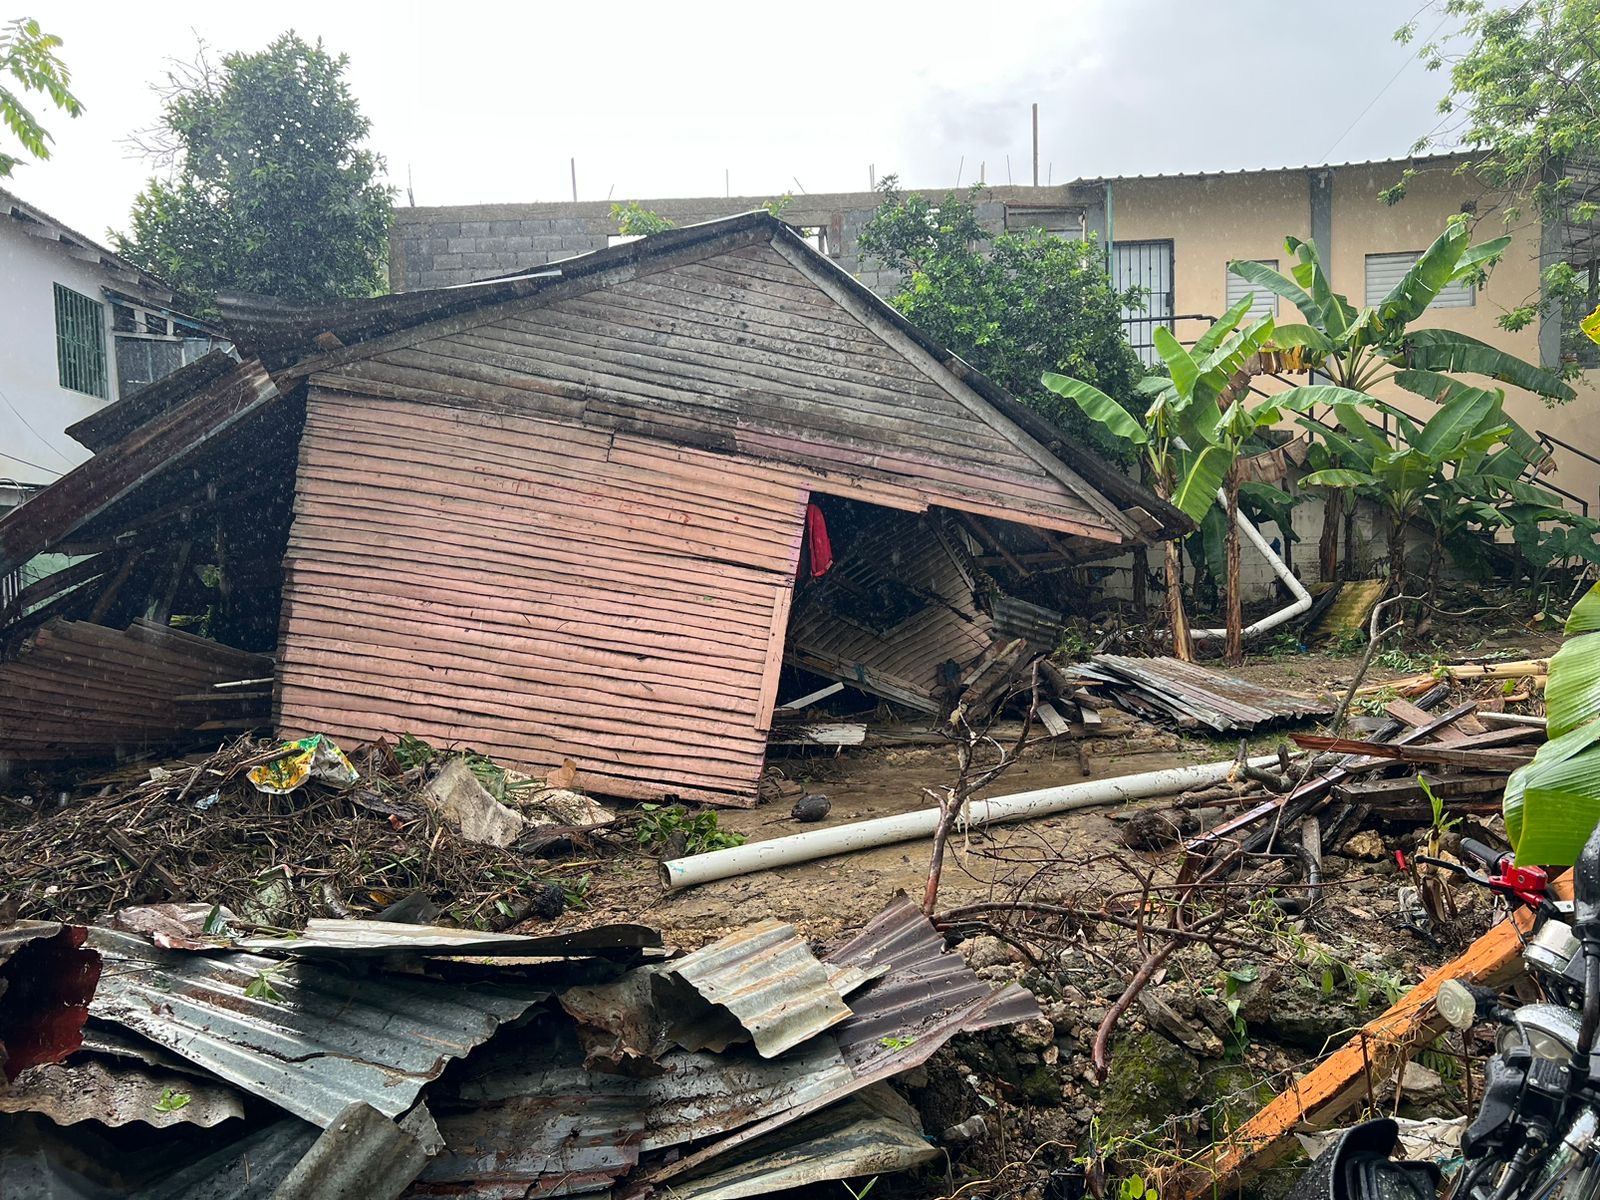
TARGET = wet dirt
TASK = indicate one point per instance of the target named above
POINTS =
(828, 896)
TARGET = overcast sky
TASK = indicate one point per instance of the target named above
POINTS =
(481, 102)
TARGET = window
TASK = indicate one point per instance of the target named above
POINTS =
(1586, 352)
(1146, 266)
(80, 342)
(1266, 302)
(1386, 270)
(142, 361)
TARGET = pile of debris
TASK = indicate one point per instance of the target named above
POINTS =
(366, 1058)
(282, 833)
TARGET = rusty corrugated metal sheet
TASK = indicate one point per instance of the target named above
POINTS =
(74, 688)
(904, 553)
(329, 1039)
(926, 997)
(325, 937)
(1191, 694)
(538, 592)
(93, 1088)
(767, 977)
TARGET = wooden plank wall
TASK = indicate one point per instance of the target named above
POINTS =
(536, 591)
(901, 663)
(740, 352)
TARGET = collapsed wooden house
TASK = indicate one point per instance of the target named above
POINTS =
(581, 513)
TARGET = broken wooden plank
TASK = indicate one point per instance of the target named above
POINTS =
(843, 733)
(1406, 787)
(1483, 760)
(1055, 724)
(833, 689)
(1343, 1079)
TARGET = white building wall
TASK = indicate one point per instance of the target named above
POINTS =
(35, 409)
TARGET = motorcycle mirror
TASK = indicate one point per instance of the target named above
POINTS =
(1586, 885)
(1457, 1004)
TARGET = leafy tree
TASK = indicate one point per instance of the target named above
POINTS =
(28, 55)
(271, 188)
(1014, 305)
(1524, 99)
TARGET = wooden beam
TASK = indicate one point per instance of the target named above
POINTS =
(1483, 760)
(1340, 1081)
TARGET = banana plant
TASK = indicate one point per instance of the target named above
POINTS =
(1424, 463)
(1197, 425)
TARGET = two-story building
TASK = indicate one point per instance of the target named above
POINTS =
(80, 327)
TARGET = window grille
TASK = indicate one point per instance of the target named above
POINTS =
(80, 342)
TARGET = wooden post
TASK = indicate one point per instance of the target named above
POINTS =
(1035, 145)
(1321, 1097)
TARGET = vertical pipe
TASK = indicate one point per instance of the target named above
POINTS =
(1111, 262)
(1036, 145)
(574, 180)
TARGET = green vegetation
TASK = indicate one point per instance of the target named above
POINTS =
(1014, 305)
(28, 55)
(635, 220)
(1553, 804)
(172, 1100)
(269, 186)
(659, 823)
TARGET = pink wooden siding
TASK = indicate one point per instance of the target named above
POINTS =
(536, 591)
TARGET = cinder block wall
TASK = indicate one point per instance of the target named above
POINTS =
(441, 247)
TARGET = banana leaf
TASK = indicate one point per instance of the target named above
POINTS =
(1572, 695)
(1184, 370)
(1263, 502)
(1203, 474)
(1354, 423)
(1338, 317)
(1097, 406)
(1264, 276)
(1554, 811)
(1421, 285)
(1447, 350)
(1212, 338)
(1339, 477)
(1287, 337)
(1478, 256)
(1585, 614)
(1455, 422)
(1441, 388)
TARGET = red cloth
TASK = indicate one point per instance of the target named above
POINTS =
(817, 539)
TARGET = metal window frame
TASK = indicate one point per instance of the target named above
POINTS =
(81, 343)
(1134, 324)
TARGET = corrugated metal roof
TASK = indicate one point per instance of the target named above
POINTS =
(330, 1039)
(1191, 693)
(117, 1093)
(362, 1155)
(767, 977)
(1398, 163)
(249, 1169)
(336, 938)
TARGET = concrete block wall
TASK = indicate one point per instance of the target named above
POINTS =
(445, 246)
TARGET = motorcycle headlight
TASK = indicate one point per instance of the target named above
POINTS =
(1549, 1031)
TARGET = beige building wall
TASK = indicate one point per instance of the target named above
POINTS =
(1212, 219)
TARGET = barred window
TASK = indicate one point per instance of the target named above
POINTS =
(80, 342)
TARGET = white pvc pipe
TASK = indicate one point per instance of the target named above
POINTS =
(1302, 600)
(884, 831)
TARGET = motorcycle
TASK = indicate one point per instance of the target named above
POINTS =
(1536, 1132)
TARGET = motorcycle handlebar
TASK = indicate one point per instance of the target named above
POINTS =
(1483, 854)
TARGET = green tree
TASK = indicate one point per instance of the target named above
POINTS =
(1014, 305)
(270, 186)
(28, 55)
(1524, 99)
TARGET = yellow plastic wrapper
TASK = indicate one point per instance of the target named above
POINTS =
(315, 757)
